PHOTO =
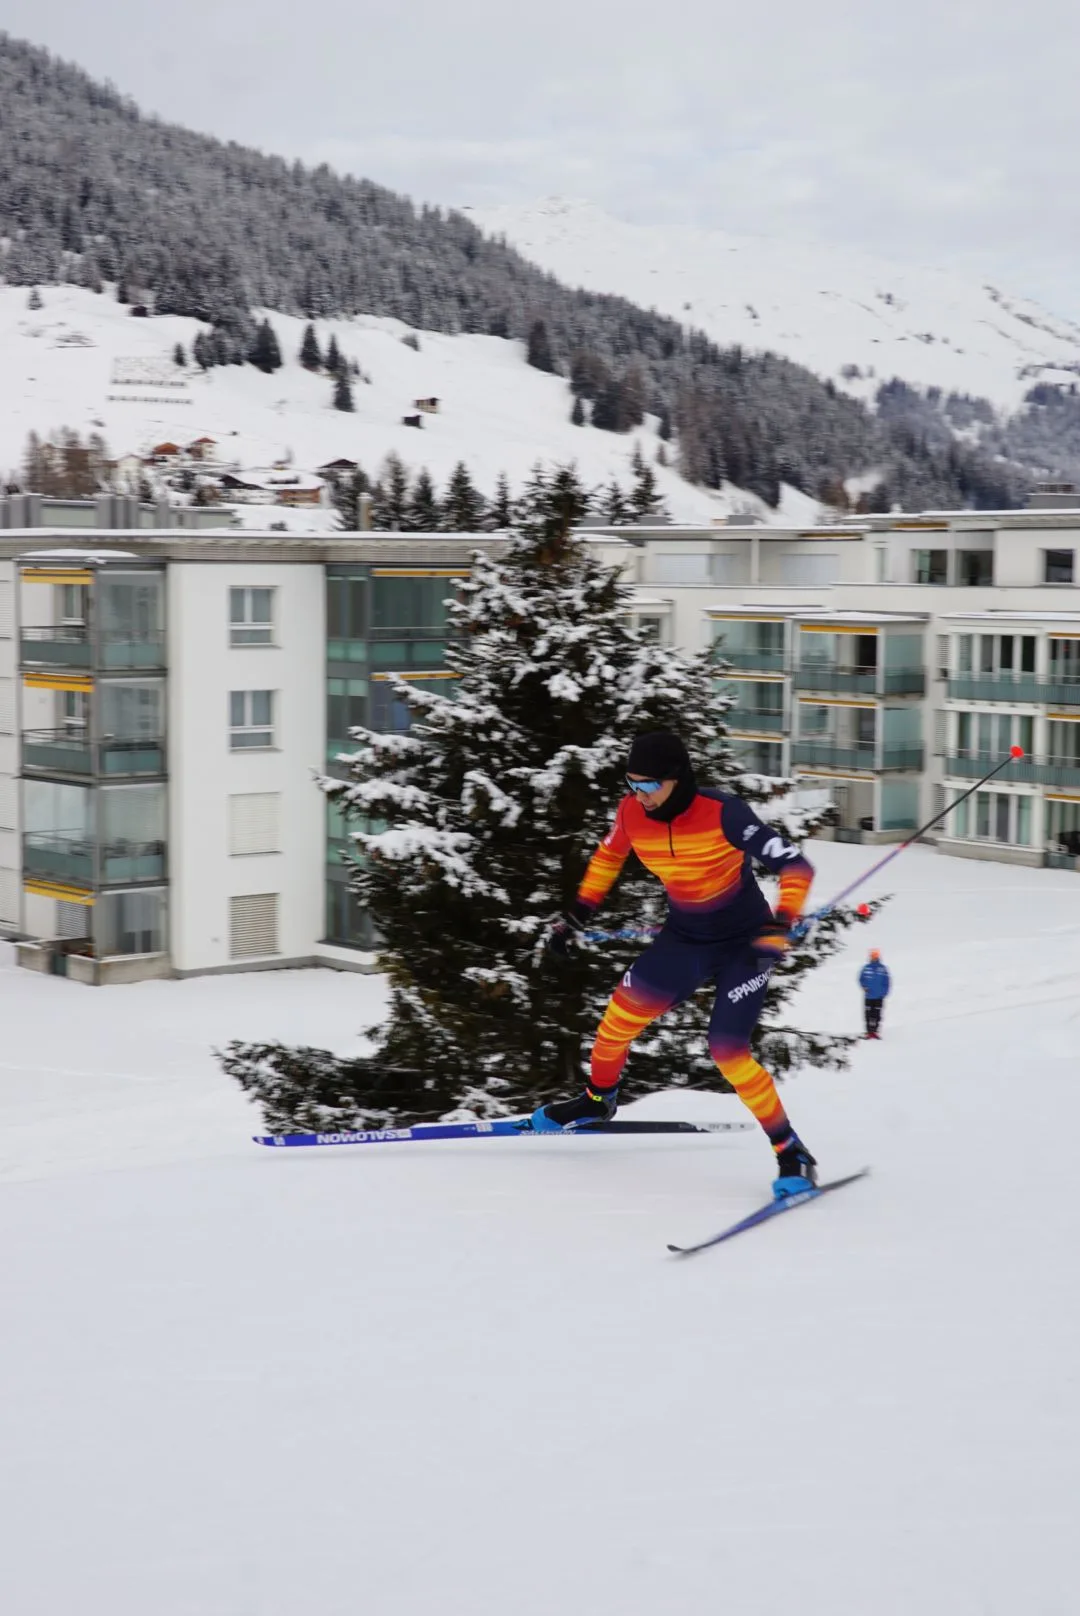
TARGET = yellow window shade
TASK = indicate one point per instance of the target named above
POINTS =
(58, 681)
(38, 575)
(57, 889)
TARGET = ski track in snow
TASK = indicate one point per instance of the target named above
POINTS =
(461, 1379)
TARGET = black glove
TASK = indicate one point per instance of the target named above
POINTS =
(564, 934)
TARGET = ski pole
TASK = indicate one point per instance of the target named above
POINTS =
(803, 926)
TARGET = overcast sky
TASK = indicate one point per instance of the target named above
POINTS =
(944, 131)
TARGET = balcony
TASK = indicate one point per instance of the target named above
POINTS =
(66, 752)
(828, 678)
(828, 755)
(89, 863)
(74, 647)
(749, 718)
(1013, 688)
(1060, 772)
(860, 759)
(55, 648)
(750, 661)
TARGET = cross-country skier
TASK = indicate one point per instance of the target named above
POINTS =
(875, 983)
(719, 929)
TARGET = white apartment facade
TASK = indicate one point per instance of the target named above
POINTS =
(167, 699)
(166, 702)
(893, 660)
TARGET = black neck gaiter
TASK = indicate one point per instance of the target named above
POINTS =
(683, 795)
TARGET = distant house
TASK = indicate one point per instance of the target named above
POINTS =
(430, 406)
(412, 420)
(338, 468)
(202, 449)
(274, 487)
(164, 451)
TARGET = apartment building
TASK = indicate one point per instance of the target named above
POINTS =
(892, 660)
(166, 702)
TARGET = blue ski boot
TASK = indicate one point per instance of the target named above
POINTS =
(795, 1169)
(588, 1107)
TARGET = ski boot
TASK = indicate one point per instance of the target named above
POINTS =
(795, 1169)
(589, 1107)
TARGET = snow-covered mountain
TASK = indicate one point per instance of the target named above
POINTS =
(82, 361)
(829, 308)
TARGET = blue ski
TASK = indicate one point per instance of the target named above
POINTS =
(786, 1203)
(503, 1128)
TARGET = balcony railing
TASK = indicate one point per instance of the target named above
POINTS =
(73, 646)
(827, 755)
(862, 759)
(749, 718)
(1020, 771)
(60, 751)
(827, 678)
(55, 647)
(830, 679)
(752, 661)
(1018, 687)
(89, 863)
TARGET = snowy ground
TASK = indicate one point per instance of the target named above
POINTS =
(462, 1379)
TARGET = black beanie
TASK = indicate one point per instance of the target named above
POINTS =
(659, 756)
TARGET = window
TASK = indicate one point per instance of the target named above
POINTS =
(1023, 821)
(808, 570)
(964, 653)
(254, 823)
(251, 719)
(74, 712)
(931, 566)
(680, 567)
(253, 925)
(1058, 566)
(73, 603)
(251, 617)
(130, 923)
(974, 567)
(651, 628)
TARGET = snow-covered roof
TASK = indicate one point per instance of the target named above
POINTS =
(88, 558)
(999, 614)
(800, 610)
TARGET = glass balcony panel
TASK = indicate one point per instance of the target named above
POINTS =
(55, 647)
(57, 751)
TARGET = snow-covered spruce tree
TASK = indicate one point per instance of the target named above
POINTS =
(474, 829)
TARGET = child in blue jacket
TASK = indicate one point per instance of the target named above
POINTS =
(874, 981)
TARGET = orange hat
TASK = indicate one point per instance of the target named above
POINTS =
(875, 954)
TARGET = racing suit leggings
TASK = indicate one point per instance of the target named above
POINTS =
(670, 971)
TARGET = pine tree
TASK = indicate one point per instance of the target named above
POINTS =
(35, 300)
(335, 365)
(644, 502)
(614, 507)
(265, 353)
(346, 495)
(474, 828)
(577, 414)
(538, 349)
(343, 399)
(424, 514)
(390, 497)
(179, 356)
(501, 510)
(463, 507)
(310, 356)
